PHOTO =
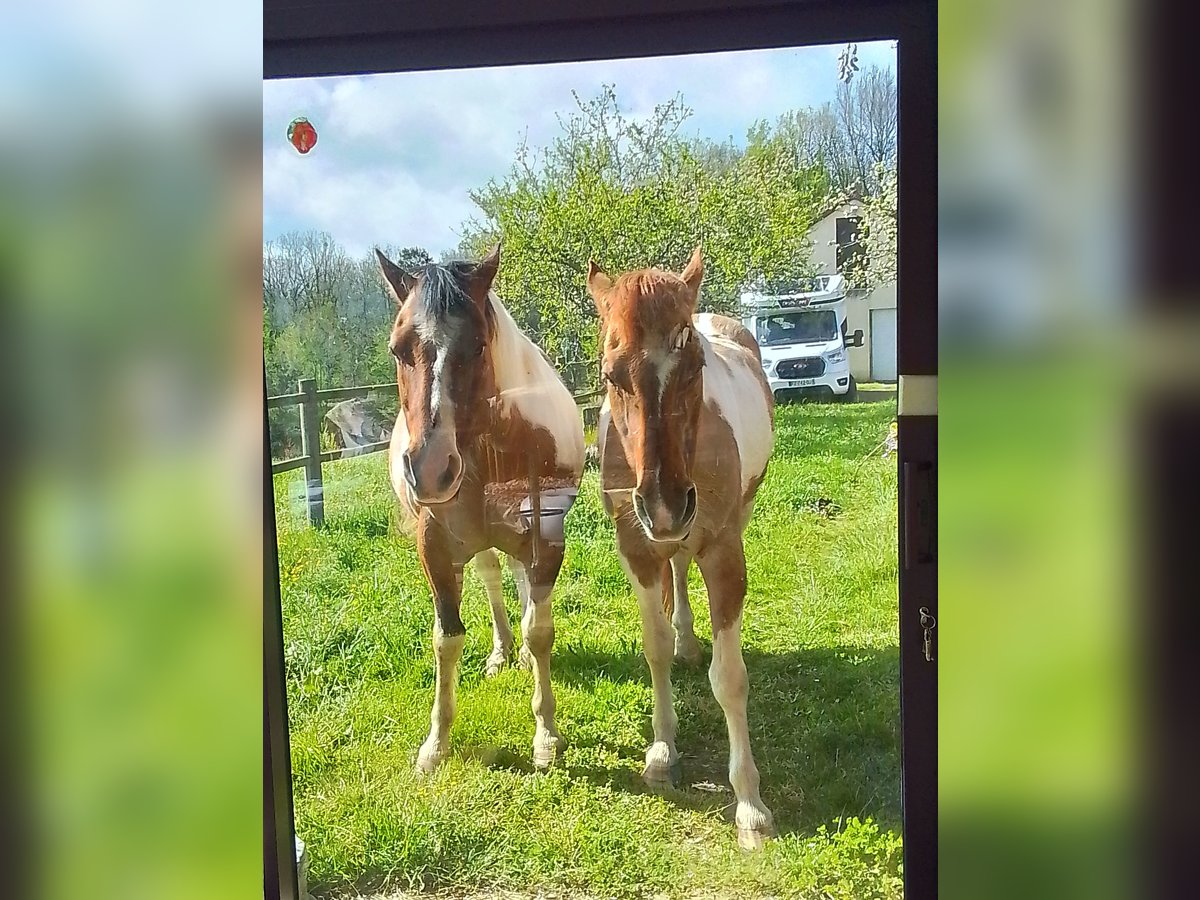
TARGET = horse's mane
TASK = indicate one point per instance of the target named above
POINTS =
(444, 287)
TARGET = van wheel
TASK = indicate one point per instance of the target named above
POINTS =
(851, 392)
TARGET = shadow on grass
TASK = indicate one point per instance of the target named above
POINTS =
(824, 728)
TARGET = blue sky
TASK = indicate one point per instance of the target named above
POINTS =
(397, 154)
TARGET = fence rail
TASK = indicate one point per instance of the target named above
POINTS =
(311, 457)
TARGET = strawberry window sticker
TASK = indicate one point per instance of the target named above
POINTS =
(302, 135)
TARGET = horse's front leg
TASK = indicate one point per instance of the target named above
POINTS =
(445, 578)
(537, 633)
(524, 659)
(487, 564)
(687, 648)
(646, 576)
(724, 569)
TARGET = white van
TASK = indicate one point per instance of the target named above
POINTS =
(803, 339)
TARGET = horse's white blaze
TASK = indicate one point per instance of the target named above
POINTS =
(667, 362)
(663, 364)
(732, 387)
(441, 407)
(528, 383)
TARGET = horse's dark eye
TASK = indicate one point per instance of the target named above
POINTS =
(479, 350)
(615, 380)
(403, 352)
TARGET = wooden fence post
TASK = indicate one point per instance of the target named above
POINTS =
(310, 437)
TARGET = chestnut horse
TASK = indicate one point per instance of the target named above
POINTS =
(486, 455)
(685, 435)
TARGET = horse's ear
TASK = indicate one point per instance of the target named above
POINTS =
(399, 282)
(484, 275)
(693, 273)
(598, 285)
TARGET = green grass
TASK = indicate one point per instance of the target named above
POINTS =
(821, 647)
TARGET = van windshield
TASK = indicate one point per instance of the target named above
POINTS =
(797, 328)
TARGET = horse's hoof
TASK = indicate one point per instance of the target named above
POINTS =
(658, 777)
(662, 764)
(495, 663)
(755, 826)
(752, 840)
(688, 652)
(547, 749)
(524, 658)
(429, 758)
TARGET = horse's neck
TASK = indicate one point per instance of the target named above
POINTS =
(734, 392)
(517, 362)
(717, 373)
(710, 375)
(531, 393)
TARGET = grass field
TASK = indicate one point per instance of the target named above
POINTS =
(820, 640)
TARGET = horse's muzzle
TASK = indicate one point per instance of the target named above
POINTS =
(662, 521)
(433, 475)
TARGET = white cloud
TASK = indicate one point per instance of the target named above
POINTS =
(398, 154)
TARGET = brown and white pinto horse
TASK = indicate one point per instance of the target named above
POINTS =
(486, 455)
(685, 436)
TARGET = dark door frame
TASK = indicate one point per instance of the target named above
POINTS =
(344, 37)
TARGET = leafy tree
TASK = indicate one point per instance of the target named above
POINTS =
(408, 258)
(326, 313)
(325, 317)
(626, 192)
(632, 193)
(849, 138)
(877, 233)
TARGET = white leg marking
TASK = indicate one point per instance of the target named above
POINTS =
(487, 564)
(524, 660)
(537, 632)
(687, 648)
(447, 652)
(657, 646)
(730, 686)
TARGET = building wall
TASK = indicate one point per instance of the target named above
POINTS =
(858, 303)
(858, 315)
(824, 238)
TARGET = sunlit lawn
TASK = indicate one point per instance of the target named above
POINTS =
(820, 638)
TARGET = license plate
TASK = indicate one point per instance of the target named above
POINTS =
(802, 382)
